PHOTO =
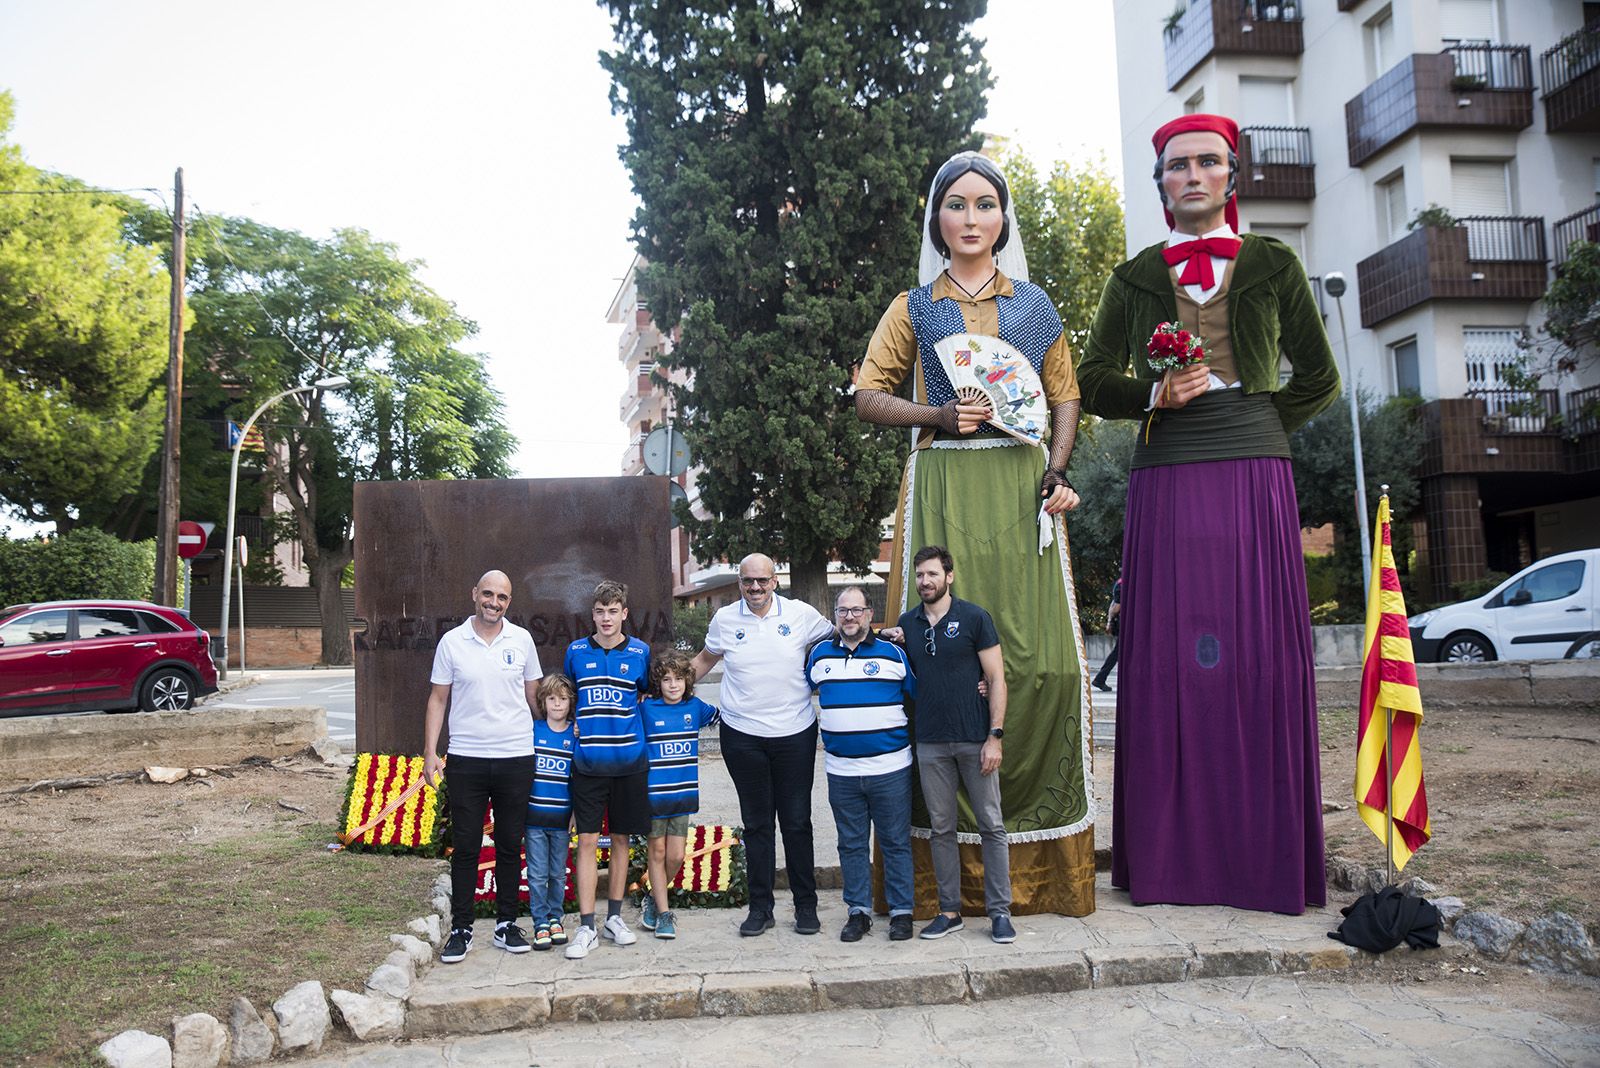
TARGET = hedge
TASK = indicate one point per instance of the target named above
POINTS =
(85, 563)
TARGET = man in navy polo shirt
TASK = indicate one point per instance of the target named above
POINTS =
(953, 645)
(610, 764)
(862, 683)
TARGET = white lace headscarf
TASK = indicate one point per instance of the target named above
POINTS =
(1011, 260)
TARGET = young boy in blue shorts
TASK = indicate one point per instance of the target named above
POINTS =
(672, 723)
(550, 811)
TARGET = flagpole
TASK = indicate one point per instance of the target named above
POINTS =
(1388, 766)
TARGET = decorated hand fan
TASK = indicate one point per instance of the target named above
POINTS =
(986, 370)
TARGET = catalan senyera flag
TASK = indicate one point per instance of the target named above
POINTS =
(1389, 687)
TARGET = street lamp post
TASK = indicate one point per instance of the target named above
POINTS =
(1333, 282)
(325, 384)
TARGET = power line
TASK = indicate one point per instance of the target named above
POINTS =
(222, 247)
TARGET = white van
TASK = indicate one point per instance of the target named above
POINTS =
(1543, 612)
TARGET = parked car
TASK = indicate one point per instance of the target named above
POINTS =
(69, 656)
(1543, 612)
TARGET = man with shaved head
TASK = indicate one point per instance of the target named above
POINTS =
(769, 733)
(487, 673)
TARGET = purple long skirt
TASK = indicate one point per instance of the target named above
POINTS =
(1217, 797)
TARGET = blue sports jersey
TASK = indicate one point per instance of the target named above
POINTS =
(863, 694)
(550, 802)
(674, 735)
(609, 681)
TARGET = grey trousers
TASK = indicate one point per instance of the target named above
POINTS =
(943, 767)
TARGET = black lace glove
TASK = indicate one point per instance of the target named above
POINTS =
(1052, 479)
(885, 409)
(1063, 433)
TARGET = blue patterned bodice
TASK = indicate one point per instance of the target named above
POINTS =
(1029, 322)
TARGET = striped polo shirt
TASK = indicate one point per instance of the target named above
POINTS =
(550, 802)
(673, 732)
(609, 681)
(863, 694)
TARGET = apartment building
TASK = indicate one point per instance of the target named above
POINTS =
(1358, 116)
(647, 404)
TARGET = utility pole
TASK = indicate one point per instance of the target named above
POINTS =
(166, 591)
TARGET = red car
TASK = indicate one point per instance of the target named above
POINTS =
(71, 656)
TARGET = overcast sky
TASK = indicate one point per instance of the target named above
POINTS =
(466, 133)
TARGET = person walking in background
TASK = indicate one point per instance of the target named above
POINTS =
(1113, 626)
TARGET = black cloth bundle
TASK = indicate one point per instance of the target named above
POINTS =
(1378, 922)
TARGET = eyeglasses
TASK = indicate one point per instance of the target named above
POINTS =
(756, 581)
(927, 642)
(851, 613)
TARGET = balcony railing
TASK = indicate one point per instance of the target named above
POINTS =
(1579, 226)
(1519, 411)
(1571, 81)
(1482, 258)
(1275, 163)
(1483, 86)
(1583, 411)
(1231, 27)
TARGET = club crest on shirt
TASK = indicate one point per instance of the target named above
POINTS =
(688, 719)
(738, 635)
(952, 628)
(871, 668)
(509, 657)
(566, 743)
(624, 668)
(783, 629)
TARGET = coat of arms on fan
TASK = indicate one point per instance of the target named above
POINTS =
(986, 370)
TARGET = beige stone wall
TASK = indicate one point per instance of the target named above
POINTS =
(54, 747)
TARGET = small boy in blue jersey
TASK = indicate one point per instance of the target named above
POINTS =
(550, 811)
(672, 724)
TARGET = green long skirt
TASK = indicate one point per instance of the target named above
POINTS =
(981, 502)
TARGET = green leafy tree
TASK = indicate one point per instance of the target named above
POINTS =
(1072, 220)
(1392, 439)
(275, 309)
(781, 154)
(83, 346)
(83, 563)
(1099, 472)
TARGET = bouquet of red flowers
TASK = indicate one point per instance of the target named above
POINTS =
(1173, 348)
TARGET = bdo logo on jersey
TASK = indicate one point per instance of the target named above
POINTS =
(553, 763)
(672, 749)
(608, 695)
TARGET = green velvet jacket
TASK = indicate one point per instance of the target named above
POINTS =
(1270, 311)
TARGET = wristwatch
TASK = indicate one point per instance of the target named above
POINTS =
(997, 732)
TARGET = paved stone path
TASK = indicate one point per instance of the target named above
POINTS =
(1453, 1021)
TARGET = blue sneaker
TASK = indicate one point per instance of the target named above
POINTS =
(666, 925)
(648, 919)
(941, 926)
(1000, 929)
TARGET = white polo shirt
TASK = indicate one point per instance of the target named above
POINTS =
(764, 687)
(489, 715)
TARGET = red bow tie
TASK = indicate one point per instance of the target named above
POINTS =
(1199, 252)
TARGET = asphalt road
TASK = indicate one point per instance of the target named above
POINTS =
(334, 689)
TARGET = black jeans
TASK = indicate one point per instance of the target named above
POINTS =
(774, 777)
(474, 783)
(1111, 662)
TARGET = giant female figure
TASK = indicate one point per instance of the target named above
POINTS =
(978, 493)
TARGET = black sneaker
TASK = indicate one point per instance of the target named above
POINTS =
(805, 920)
(1000, 928)
(758, 922)
(1099, 685)
(941, 926)
(456, 946)
(855, 927)
(899, 927)
(508, 936)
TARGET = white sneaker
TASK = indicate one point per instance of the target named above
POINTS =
(582, 942)
(618, 931)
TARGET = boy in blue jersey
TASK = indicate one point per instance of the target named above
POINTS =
(550, 811)
(862, 682)
(672, 725)
(610, 767)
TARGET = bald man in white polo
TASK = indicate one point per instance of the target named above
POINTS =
(769, 733)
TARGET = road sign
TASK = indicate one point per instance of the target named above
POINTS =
(666, 451)
(191, 539)
(675, 492)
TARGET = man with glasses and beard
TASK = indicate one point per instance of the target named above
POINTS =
(769, 734)
(953, 645)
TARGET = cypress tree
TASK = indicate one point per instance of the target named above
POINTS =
(781, 152)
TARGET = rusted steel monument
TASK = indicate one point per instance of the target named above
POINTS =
(421, 546)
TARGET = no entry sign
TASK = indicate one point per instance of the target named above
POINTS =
(191, 539)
